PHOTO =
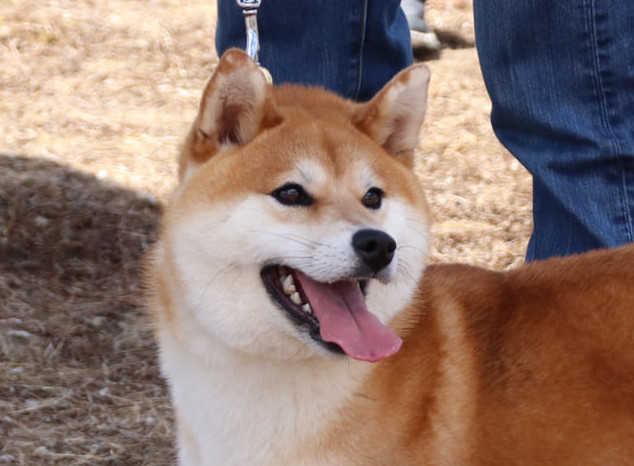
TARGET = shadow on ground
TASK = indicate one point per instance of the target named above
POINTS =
(79, 380)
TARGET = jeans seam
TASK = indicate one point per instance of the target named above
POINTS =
(603, 94)
(362, 31)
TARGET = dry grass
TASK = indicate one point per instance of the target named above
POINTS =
(95, 97)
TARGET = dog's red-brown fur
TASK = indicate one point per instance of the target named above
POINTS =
(530, 366)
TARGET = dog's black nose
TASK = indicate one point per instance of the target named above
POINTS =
(374, 247)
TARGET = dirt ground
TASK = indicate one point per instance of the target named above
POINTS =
(95, 96)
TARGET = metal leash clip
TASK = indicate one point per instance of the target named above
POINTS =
(250, 12)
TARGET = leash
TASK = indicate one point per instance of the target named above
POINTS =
(250, 12)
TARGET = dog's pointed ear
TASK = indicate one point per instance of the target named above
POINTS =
(234, 100)
(393, 118)
(234, 108)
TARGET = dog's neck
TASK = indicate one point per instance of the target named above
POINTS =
(261, 407)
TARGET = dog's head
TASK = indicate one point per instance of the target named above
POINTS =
(299, 227)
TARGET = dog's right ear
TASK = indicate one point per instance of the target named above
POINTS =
(393, 118)
(234, 108)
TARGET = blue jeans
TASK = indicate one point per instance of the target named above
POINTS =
(561, 79)
(351, 47)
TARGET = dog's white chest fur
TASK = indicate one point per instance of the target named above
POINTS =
(245, 409)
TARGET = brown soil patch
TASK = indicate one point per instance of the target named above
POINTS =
(94, 99)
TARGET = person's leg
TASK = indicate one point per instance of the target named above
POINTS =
(561, 80)
(350, 47)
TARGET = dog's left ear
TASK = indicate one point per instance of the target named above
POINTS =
(234, 101)
(393, 118)
(234, 108)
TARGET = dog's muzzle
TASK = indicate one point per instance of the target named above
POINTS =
(375, 248)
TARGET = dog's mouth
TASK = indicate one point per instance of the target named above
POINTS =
(334, 314)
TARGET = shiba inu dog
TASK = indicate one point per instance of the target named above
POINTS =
(298, 325)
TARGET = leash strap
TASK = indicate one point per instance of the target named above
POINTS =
(250, 12)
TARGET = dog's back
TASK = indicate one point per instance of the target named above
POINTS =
(531, 366)
(559, 355)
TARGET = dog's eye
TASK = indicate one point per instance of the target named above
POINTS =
(292, 194)
(372, 199)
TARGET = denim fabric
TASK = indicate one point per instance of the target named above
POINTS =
(561, 78)
(351, 47)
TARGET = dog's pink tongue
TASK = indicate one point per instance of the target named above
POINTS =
(345, 320)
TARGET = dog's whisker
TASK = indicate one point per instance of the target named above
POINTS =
(220, 272)
(409, 246)
(404, 271)
(298, 239)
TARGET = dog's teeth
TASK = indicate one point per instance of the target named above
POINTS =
(296, 298)
(307, 309)
(288, 285)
